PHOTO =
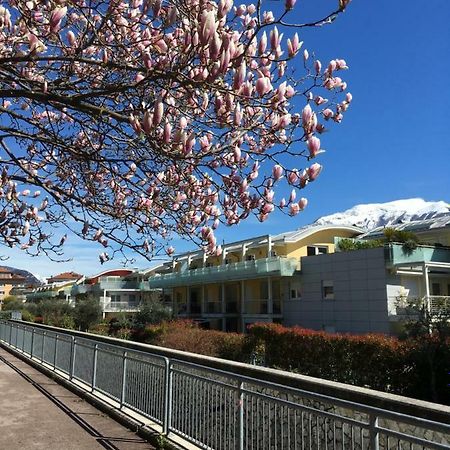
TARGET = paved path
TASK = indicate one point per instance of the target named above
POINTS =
(29, 420)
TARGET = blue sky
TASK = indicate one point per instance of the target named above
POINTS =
(394, 141)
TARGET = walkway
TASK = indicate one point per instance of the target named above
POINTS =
(37, 413)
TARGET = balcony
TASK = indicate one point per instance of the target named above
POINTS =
(40, 295)
(275, 266)
(437, 306)
(397, 255)
(110, 306)
(81, 289)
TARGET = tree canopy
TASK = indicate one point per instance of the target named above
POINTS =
(130, 122)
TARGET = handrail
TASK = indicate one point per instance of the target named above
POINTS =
(215, 407)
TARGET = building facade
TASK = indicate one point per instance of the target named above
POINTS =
(250, 282)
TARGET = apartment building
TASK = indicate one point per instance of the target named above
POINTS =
(57, 287)
(117, 290)
(371, 290)
(250, 282)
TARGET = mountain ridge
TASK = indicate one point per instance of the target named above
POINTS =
(373, 215)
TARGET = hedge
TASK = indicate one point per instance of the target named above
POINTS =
(416, 368)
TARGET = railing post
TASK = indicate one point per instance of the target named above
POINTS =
(241, 416)
(124, 379)
(94, 368)
(72, 358)
(55, 352)
(167, 397)
(43, 346)
(373, 432)
(32, 343)
(10, 334)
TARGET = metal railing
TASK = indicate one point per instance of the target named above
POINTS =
(216, 409)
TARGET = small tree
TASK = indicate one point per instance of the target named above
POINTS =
(86, 313)
(152, 312)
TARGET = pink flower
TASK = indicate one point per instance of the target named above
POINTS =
(263, 86)
(293, 177)
(314, 171)
(262, 43)
(294, 45)
(313, 146)
(289, 4)
(294, 209)
(327, 113)
(277, 172)
(302, 203)
(317, 66)
(158, 112)
(170, 250)
(55, 19)
(307, 114)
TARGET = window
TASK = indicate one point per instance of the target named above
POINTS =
(328, 290)
(132, 298)
(296, 291)
(115, 298)
(314, 250)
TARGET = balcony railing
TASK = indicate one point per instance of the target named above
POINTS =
(398, 254)
(438, 306)
(278, 266)
(109, 306)
(230, 405)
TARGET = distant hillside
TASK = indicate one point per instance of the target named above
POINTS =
(30, 278)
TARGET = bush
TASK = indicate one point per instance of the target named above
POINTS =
(87, 312)
(415, 367)
(151, 313)
(186, 336)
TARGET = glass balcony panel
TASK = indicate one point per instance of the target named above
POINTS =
(274, 266)
(397, 254)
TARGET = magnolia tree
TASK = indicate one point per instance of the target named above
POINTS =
(130, 122)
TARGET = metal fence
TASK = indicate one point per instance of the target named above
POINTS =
(215, 409)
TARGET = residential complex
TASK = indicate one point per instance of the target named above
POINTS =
(302, 278)
(299, 278)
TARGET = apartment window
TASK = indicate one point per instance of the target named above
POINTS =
(328, 290)
(115, 298)
(314, 250)
(296, 291)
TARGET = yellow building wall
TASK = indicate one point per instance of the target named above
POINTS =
(323, 238)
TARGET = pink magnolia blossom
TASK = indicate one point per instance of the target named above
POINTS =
(314, 171)
(313, 146)
(55, 19)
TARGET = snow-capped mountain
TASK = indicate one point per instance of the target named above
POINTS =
(375, 215)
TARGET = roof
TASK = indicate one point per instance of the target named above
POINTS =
(64, 276)
(436, 223)
(5, 270)
(282, 238)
